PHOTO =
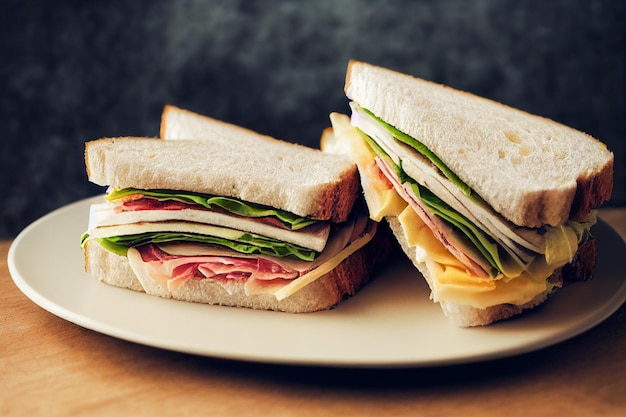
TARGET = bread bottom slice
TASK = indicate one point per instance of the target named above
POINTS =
(579, 269)
(324, 293)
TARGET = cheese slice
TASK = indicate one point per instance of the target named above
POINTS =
(326, 267)
(380, 196)
(180, 227)
(450, 281)
(105, 215)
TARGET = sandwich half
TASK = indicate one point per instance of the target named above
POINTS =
(493, 205)
(234, 218)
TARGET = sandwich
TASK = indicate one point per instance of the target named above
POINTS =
(218, 214)
(493, 205)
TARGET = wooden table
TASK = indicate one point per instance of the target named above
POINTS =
(51, 367)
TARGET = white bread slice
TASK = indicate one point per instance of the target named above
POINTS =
(468, 316)
(531, 170)
(324, 293)
(177, 123)
(253, 168)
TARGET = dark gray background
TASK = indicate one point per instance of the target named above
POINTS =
(72, 71)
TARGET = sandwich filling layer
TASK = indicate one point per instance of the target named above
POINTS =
(169, 239)
(474, 256)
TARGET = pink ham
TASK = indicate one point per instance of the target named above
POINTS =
(181, 268)
(152, 204)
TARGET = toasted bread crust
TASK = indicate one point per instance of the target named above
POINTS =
(326, 292)
(592, 192)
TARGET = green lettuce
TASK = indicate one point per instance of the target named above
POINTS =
(231, 205)
(247, 243)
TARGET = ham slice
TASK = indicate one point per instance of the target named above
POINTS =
(181, 268)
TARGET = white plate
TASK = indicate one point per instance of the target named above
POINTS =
(390, 323)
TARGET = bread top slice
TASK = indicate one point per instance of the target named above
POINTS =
(177, 123)
(250, 167)
(531, 170)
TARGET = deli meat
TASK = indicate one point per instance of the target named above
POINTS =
(179, 267)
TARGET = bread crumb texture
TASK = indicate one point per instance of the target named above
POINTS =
(527, 167)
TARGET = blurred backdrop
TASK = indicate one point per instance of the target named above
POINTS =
(73, 71)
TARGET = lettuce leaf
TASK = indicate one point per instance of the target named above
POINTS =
(232, 205)
(247, 243)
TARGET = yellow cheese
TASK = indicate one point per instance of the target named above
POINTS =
(327, 266)
(382, 200)
(451, 283)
